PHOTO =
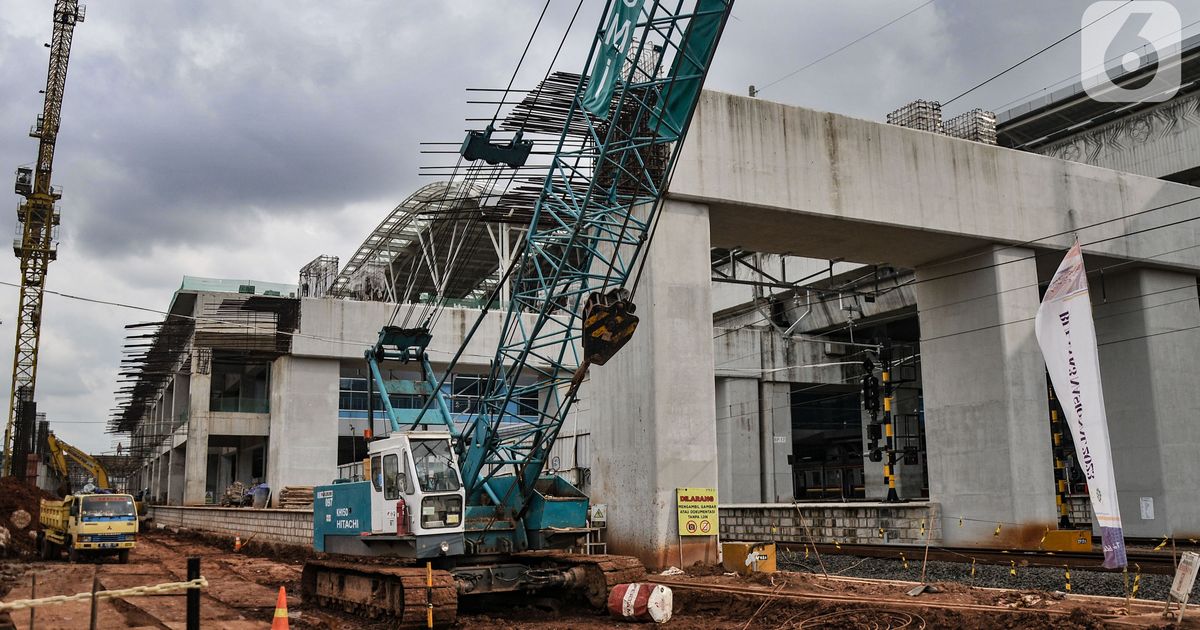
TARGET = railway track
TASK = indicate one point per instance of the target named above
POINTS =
(1156, 562)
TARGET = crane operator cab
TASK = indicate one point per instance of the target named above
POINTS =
(410, 505)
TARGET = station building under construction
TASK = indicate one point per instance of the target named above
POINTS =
(798, 252)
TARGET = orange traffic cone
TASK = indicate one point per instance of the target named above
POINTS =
(237, 544)
(280, 622)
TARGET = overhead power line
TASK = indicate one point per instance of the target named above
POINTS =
(1077, 229)
(843, 47)
(1077, 75)
(1023, 61)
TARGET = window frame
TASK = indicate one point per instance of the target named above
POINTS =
(391, 481)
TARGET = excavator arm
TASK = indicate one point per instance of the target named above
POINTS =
(61, 452)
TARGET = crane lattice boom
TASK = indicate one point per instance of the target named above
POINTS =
(594, 216)
(38, 219)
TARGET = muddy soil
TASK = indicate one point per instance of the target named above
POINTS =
(244, 586)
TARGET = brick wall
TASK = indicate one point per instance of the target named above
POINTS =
(288, 527)
(829, 522)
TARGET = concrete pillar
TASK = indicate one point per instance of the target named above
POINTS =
(182, 399)
(775, 408)
(906, 403)
(164, 479)
(245, 460)
(153, 472)
(176, 486)
(985, 397)
(1151, 397)
(302, 447)
(196, 466)
(654, 402)
(737, 422)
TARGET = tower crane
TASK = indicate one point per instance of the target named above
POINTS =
(471, 500)
(37, 223)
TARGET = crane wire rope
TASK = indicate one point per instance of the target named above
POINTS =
(490, 176)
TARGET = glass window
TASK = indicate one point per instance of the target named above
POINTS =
(376, 474)
(435, 467)
(108, 508)
(239, 386)
(391, 478)
(407, 478)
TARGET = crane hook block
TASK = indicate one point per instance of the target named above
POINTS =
(608, 324)
(478, 146)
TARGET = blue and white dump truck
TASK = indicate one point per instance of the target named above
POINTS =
(456, 505)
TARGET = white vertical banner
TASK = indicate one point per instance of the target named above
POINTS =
(1066, 334)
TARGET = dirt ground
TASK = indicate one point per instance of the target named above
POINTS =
(243, 588)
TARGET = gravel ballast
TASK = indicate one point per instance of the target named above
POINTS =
(1083, 581)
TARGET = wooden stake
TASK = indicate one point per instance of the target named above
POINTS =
(1125, 573)
(32, 595)
(928, 533)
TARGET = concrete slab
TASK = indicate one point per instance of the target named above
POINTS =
(786, 179)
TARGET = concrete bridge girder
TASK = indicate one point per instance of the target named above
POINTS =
(773, 178)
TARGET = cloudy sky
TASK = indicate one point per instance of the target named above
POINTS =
(235, 139)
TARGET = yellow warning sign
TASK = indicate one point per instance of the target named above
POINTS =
(697, 509)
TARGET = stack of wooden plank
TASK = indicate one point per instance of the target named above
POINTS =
(296, 498)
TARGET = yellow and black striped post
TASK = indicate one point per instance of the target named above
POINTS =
(889, 432)
(1062, 486)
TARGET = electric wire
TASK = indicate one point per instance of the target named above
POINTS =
(1024, 244)
(916, 281)
(1077, 75)
(1030, 57)
(758, 90)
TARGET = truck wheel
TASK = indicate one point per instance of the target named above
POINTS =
(123, 556)
(43, 547)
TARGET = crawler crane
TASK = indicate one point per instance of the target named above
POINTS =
(472, 499)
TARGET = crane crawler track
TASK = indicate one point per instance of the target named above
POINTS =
(375, 591)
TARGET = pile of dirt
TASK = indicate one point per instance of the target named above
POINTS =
(16, 495)
(702, 569)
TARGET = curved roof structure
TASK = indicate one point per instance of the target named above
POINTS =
(430, 243)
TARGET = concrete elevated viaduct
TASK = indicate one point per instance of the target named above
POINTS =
(983, 227)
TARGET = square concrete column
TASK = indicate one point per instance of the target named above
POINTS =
(1146, 323)
(196, 459)
(986, 409)
(775, 401)
(302, 448)
(176, 484)
(738, 440)
(654, 425)
(152, 483)
(164, 477)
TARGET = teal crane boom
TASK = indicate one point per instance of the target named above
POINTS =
(574, 277)
(573, 283)
(576, 272)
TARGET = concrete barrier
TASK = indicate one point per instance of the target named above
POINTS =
(287, 527)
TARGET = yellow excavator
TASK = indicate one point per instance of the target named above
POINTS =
(61, 452)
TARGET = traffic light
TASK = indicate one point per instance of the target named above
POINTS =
(870, 393)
